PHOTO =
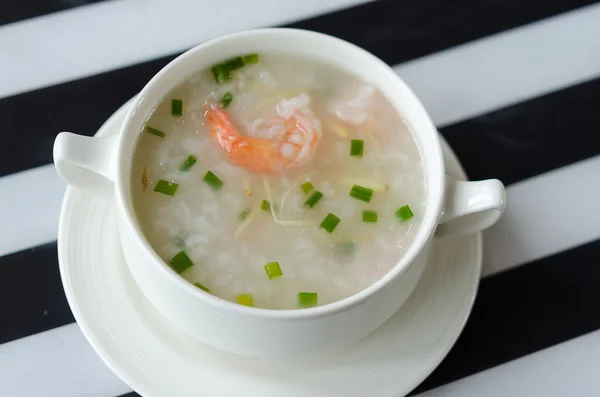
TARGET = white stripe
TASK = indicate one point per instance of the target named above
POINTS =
(29, 208)
(545, 215)
(566, 369)
(507, 68)
(87, 40)
(56, 363)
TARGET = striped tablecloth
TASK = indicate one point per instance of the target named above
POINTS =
(514, 87)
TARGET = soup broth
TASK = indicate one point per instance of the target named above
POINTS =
(287, 183)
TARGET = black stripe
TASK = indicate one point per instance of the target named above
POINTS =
(517, 312)
(17, 10)
(32, 299)
(531, 137)
(524, 310)
(401, 31)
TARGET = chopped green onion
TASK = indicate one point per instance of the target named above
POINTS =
(265, 206)
(306, 187)
(361, 193)
(181, 262)
(176, 107)
(156, 132)
(313, 199)
(330, 222)
(404, 213)
(188, 163)
(307, 298)
(369, 216)
(166, 187)
(245, 299)
(221, 73)
(226, 100)
(356, 147)
(202, 287)
(273, 270)
(250, 58)
(244, 214)
(233, 63)
(222, 70)
(213, 181)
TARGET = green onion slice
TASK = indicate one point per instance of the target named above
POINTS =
(202, 287)
(273, 270)
(221, 73)
(250, 59)
(213, 181)
(181, 262)
(370, 216)
(244, 214)
(156, 132)
(404, 213)
(188, 163)
(313, 199)
(166, 187)
(265, 206)
(226, 100)
(233, 63)
(330, 222)
(307, 187)
(176, 107)
(361, 193)
(245, 299)
(356, 147)
(308, 298)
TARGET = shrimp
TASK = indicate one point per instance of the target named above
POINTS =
(294, 148)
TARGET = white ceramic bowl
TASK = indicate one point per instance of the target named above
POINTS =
(104, 165)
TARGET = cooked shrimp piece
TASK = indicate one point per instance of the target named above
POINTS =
(293, 146)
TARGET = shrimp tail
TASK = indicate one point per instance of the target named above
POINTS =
(258, 155)
(221, 128)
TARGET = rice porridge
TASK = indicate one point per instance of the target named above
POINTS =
(278, 181)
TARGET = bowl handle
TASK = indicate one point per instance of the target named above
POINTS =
(85, 162)
(471, 206)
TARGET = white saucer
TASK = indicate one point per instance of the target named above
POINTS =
(157, 359)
